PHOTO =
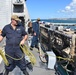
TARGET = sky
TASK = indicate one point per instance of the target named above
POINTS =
(46, 9)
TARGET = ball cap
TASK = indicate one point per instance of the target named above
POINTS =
(15, 17)
(38, 19)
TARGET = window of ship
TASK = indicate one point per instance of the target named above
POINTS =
(18, 8)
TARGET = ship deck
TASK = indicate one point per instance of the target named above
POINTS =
(39, 68)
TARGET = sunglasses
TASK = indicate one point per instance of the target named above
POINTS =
(14, 19)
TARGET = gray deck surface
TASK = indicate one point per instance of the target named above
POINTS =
(38, 69)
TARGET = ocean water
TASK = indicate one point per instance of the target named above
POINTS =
(66, 23)
(58, 21)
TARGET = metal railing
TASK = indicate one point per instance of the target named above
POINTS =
(54, 39)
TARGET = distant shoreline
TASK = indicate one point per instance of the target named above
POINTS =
(58, 20)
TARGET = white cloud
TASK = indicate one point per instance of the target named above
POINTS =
(71, 8)
(67, 8)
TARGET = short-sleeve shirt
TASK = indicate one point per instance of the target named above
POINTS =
(13, 37)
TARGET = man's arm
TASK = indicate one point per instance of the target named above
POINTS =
(34, 28)
(25, 36)
(24, 39)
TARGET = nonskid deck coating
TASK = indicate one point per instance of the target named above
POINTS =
(38, 69)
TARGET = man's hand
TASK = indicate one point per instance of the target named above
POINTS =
(22, 42)
(34, 34)
(24, 39)
(1, 38)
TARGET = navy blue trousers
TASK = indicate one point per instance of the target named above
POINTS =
(15, 52)
(34, 41)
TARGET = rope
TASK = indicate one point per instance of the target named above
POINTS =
(13, 57)
(28, 53)
(69, 59)
(25, 50)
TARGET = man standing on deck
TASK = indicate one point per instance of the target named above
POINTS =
(35, 26)
(15, 35)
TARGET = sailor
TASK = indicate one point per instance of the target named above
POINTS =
(15, 35)
(35, 26)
